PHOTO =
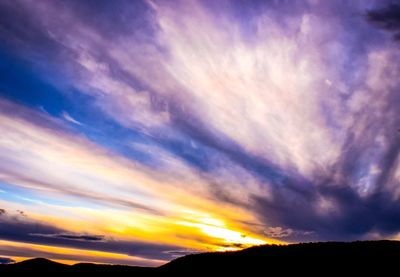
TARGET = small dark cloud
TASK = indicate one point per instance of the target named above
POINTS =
(180, 253)
(387, 18)
(232, 245)
(282, 233)
(2, 211)
(278, 232)
(4, 260)
(72, 236)
(21, 213)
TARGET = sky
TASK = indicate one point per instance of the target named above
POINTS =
(135, 132)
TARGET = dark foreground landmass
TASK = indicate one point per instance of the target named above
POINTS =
(317, 259)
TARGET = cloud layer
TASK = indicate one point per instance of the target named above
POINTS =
(199, 125)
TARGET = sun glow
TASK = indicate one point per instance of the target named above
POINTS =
(218, 229)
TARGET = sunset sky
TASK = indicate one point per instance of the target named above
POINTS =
(135, 132)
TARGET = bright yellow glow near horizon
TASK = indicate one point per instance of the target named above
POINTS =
(190, 229)
(217, 228)
(76, 187)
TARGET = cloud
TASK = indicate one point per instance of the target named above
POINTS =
(278, 232)
(23, 229)
(179, 253)
(284, 103)
(69, 236)
(66, 180)
(57, 162)
(4, 260)
(69, 118)
(387, 18)
(53, 141)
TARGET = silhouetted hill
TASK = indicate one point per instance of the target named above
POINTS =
(320, 259)
(43, 266)
(39, 265)
(310, 258)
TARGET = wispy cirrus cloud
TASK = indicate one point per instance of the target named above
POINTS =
(69, 118)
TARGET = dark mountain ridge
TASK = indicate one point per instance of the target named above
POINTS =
(322, 258)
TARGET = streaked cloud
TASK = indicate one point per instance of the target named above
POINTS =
(69, 118)
(137, 201)
(210, 126)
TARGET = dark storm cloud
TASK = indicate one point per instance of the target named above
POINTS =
(387, 18)
(23, 229)
(347, 202)
(350, 216)
(25, 34)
